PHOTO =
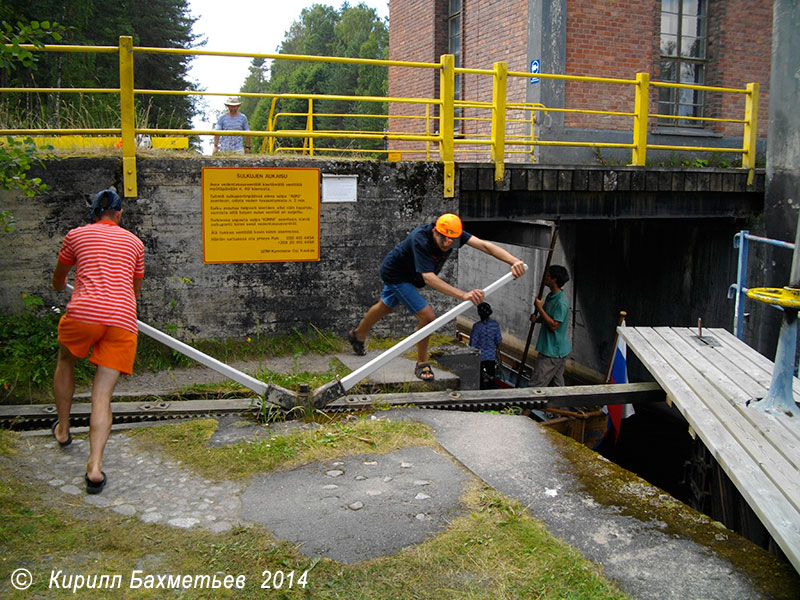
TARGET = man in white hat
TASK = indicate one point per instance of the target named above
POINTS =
(233, 120)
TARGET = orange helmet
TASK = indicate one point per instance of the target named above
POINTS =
(449, 225)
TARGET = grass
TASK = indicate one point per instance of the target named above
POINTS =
(314, 379)
(495, 551)
(186, 442)
(31, 349)
(30, 340)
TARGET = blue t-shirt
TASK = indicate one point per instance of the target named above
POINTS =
(555, 344)
(485, 336)
(231, 143)
(416, 254)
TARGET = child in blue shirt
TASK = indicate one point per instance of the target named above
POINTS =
(486, 336)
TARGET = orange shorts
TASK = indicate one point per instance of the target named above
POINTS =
(112, 347)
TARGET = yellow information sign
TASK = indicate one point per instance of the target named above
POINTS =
(260, 215)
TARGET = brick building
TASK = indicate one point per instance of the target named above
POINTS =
(717, 43)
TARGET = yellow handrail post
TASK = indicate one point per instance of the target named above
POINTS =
(499, 119)
(533, 134)
(127, 114)
(271, 125)
(310, 126)
(641, 106)
(750, 131)
(427, 132)
(447, 87)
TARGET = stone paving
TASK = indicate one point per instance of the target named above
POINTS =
(348, 509)
(141, 483)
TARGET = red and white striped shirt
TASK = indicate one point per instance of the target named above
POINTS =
(107, 259)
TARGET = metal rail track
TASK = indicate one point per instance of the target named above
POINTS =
(36, 416)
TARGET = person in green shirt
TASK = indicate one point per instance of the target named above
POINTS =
(553, 344)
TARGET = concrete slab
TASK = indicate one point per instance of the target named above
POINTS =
(400, 372)
(645, 558)
(359, 507)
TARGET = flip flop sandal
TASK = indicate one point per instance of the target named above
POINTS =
(358, 345)
(60, 443)
(424, 372)
(95, 487)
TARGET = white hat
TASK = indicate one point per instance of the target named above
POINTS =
(232, 101)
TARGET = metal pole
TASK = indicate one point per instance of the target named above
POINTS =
(622, 315)
(741, 274)
(376, 363)
(251, 383)
(522, 362)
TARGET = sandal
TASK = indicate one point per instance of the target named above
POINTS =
(424, 372)
(358, 345)
(95, 487)
(60, 443)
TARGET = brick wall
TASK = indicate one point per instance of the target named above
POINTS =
(613, 38)
(493, 31)
(608, 38)
(415, 36)
(740, 52)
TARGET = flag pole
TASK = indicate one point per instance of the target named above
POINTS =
(541, 293)
(622, 315)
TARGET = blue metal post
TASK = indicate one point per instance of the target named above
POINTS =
(780, 397)
(741, 241)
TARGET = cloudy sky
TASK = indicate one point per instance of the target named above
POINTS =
(256, 26)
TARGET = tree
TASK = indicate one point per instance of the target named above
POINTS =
(354, 32)
(155, 23)
(17, 156)
(257, 82)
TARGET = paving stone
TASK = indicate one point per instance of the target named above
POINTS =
(96, 500)
(183, 522)
(125, 509)
(151, 517)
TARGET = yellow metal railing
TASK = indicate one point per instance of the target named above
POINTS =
(439, 134)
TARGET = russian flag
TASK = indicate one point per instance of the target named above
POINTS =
(619, 374)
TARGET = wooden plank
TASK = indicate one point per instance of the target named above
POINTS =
(549, 397)
(750, 387)
(752, 355)
(715, 389)
(791, 426)
(785, 437)
(744, 362)
(775, 513)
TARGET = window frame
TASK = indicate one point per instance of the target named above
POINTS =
(680, 101)
(455, 18)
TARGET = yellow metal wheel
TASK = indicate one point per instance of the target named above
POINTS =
(784, 297)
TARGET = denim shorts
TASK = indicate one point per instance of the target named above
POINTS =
(405, 294)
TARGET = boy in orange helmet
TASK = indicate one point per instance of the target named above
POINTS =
(416, 262)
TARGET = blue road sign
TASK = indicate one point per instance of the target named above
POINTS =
(535, 66)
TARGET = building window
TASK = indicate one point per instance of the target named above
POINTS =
(454, 48)
(683, 60)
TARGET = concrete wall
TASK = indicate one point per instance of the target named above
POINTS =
(662, 272)
(782, 199)
(228, 300)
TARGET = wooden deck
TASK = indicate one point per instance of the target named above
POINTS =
(714, 382)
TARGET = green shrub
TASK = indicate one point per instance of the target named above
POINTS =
(29, 343)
